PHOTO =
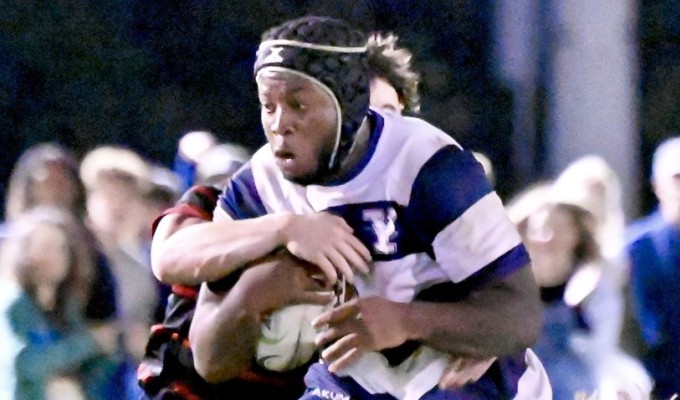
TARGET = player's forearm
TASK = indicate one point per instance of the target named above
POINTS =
(223, 336)
(498, 320)
(207, 252)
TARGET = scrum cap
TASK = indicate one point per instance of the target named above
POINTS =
(330, 53)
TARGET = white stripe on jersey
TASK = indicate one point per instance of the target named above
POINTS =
(534, 383)
(479, 236)
(277, 194)
(219, 214)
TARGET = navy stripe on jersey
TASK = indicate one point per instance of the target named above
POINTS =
(498, 269)
(240, 198)
(503, 266)
(447, 185)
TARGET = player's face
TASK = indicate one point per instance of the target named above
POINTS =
(384, 96)
(300, 122)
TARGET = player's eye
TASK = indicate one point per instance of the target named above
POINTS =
(297, 105)
(268, 108)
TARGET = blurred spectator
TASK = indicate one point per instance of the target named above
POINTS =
(217, 163)
(190, 148)
(655, 263)
(117, 181)
(579, 342)
(47, 174)
(559, 243)
(45, 265)
(643, 225)
(591, 183)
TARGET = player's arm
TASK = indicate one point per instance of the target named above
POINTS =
(223, 335)
(499, 319)
(206, 252)
(481, 252)
(163, 267)
(226, 325)
(187, 250)
(194, 207)
(243, 230)
(196, 256)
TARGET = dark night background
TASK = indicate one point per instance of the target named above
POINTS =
(142, 73)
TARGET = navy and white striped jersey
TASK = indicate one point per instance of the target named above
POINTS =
(418, 201)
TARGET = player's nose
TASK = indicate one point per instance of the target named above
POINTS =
(281, 123)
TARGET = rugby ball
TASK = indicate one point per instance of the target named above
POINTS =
(287, 338)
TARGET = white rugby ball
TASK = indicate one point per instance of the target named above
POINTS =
(287, 339)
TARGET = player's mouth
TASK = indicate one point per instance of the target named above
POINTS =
(284, 159)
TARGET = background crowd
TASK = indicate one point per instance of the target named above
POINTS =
(112, 145)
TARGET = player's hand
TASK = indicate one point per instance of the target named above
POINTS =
(357, 327)
(279, 281)
(463, 370)
(327, 241)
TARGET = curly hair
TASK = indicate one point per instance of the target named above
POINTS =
(387, 61)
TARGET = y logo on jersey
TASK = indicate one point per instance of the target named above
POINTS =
(383, 222)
